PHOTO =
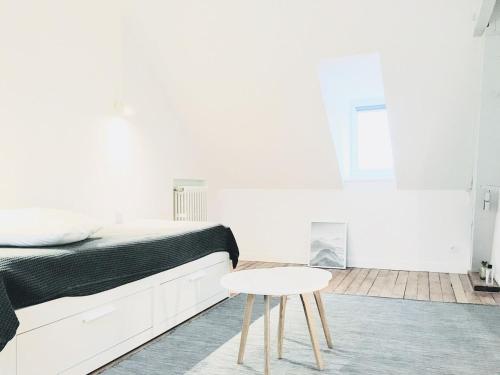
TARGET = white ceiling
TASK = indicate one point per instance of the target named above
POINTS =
(242, 76)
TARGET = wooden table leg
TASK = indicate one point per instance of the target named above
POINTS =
(281, 327)
(267, 341)
(247, 317)
(324, 321)
(312, 331)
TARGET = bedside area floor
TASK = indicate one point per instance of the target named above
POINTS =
(423, 286)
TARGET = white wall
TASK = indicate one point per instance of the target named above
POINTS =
(63, 65)
(487, 168)
(243, 78)
(410, 230)
(495, 252)
(59, 78)
(164, 149)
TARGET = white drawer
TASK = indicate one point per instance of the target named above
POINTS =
(190, 290)
(60, 345)
(8, 358)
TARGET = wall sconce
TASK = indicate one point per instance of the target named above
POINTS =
(123, 110)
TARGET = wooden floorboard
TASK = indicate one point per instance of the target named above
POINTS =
(346, 282)
(411, 286)
(486, 298)
(496, 297)
(389, 283)
(356, 283)
(469, 293)
(425, 286)
(367, 283)
(435, 292)
(446, 288)
(378, 285)
(338, 277)
(400, 286)
(458, 289)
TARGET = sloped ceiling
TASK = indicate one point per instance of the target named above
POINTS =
(242, 77)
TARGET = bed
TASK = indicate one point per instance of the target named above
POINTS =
(73, 308)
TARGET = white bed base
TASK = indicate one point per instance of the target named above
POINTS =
(76, 335)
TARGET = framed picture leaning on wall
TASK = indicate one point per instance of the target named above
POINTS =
(328, 245)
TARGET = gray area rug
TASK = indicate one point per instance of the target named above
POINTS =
(371, 336)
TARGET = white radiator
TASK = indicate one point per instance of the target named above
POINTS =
(190, 203)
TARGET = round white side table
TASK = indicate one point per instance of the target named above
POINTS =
(282, 282)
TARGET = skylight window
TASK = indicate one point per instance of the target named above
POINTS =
(371, 150)
(354, 97)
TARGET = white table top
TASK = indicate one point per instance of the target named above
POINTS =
(278, 281)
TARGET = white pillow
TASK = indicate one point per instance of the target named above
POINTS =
(29, 227)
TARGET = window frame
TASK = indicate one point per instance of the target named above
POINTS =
(355, 172)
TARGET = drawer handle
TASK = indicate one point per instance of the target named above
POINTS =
(197, 275)
(98, 314)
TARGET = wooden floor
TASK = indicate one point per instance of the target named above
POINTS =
(424, 286)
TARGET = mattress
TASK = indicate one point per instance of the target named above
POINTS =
(114, 256)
